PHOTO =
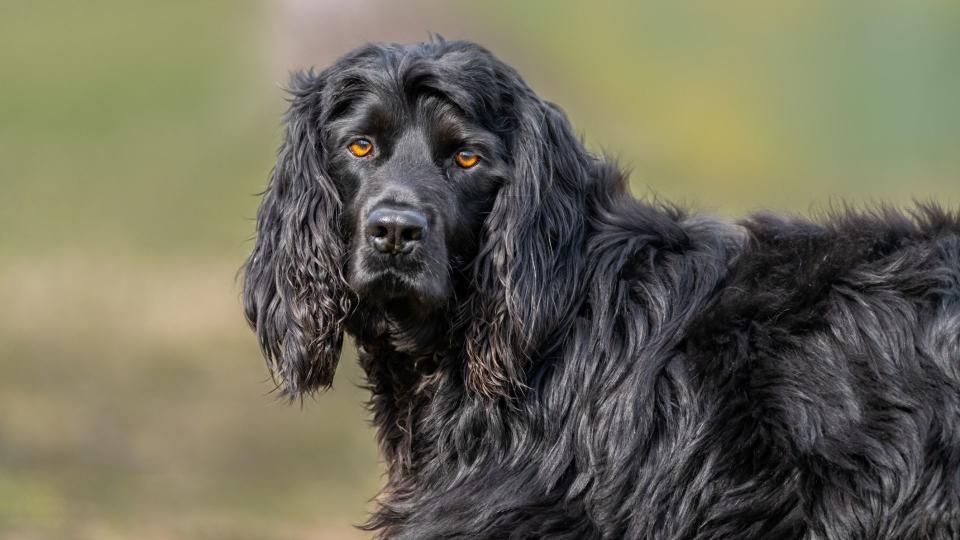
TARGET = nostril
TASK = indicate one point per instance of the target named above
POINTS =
(411, 234)
(378, 231)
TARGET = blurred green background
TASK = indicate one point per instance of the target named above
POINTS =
(134, 135)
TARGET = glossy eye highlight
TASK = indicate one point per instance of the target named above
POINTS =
(467, 159)
(360, 147)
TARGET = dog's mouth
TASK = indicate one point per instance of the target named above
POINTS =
(387, 283)
(381, 279)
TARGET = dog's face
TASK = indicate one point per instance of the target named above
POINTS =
(417, 176)
(427, 179)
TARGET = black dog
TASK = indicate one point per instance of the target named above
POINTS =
(551, 358)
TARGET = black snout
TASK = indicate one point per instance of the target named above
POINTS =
(392, 230)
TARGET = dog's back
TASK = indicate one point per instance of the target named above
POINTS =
(830, 360)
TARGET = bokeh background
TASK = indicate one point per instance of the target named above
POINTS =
(134, 136)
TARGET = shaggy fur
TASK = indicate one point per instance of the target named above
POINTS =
(556, 359)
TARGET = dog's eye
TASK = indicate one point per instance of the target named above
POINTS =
(361, 147)
(467, 159)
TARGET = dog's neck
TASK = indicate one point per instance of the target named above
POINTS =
(401, 350)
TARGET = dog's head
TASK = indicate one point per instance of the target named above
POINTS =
(425, 178)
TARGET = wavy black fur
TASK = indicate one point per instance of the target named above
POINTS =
(561, 360)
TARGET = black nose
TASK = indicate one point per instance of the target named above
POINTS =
(392, 230)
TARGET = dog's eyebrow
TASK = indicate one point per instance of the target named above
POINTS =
(374, 114)
(450, 125)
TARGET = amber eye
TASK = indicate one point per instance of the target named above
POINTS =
(361, 147)
(467, 159)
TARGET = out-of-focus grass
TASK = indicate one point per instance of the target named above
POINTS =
(130, 400)
(133, 134)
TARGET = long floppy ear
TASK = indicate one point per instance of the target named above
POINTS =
(295, 296)
(529, 267)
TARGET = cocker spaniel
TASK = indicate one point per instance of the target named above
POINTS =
(549, 357)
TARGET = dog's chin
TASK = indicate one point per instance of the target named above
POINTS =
(389, 286)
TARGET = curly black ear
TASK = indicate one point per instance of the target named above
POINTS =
(295, 296)
(529, 265)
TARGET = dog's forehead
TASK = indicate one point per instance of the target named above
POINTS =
(464, 78)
